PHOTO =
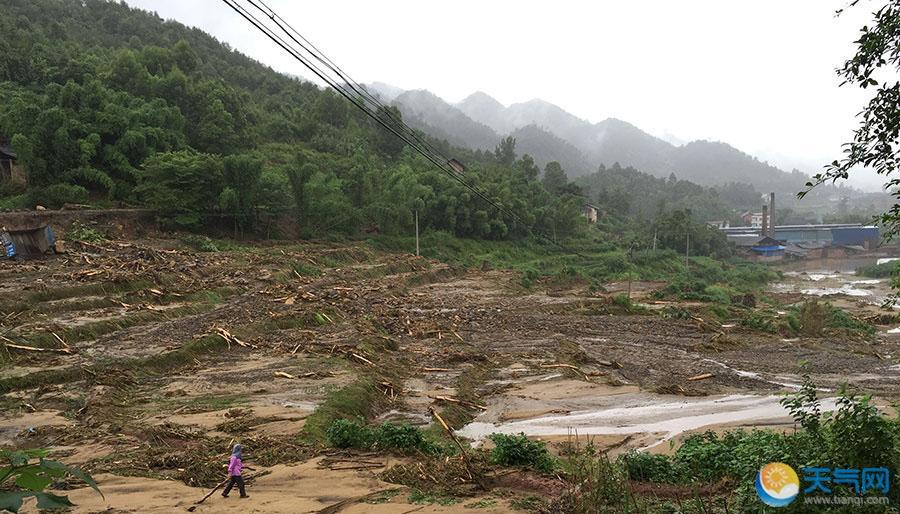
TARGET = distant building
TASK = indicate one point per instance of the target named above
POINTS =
(590, 212)
(718, 223)
(9, 167)
(752, 219)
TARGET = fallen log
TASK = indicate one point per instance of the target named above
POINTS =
(230, 338)
(702, 376)
(343, 504)
(458, 401)
(360, 357)
(9, 344)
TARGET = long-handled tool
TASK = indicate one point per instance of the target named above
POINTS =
(216, 488)
(223, 482)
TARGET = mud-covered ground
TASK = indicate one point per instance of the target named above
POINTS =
(143, 361)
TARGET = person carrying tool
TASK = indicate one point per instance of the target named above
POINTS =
(235, 465)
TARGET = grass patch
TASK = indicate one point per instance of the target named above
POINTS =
(62, 293)
(811, 318)
(883, 270)
(420, 497)
(356, 400)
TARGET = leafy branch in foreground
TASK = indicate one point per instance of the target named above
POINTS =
(27, 473)
(876, 141)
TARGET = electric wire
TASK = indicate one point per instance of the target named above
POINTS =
(396, 127)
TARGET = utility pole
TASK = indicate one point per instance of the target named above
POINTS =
(687, 249)
(654, 240)
(417, 232)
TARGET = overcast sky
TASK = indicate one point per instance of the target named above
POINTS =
(758, 75)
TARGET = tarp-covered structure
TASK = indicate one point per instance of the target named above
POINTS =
(27, 242)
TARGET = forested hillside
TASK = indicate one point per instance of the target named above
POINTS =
(113, 106)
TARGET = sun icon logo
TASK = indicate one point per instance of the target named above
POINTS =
(777, 484)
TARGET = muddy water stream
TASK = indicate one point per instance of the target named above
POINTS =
(658, 417)
(661, 415)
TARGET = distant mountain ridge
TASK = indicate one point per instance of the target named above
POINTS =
(549, 133)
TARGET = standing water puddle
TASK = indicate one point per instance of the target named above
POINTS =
(652, 414)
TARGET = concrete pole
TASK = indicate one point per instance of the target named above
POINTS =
(417, 232)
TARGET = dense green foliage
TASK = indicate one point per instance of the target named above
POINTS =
(856, 435)
(111, 105)
(519, 450)
(345, 433)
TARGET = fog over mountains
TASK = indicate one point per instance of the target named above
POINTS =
(549, 133)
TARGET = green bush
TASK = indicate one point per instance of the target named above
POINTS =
(82, 232)
(403, 437)
(838, 318)
(57, 195)
(647, 467)
(344, 433)
(856, 435)
(305, 270)
(518, 450)
(883, 270)
(200, 243)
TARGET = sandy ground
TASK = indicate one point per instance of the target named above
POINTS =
(288, 489)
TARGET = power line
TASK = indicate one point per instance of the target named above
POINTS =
(321, 74)
(397, 127)
(325, 60)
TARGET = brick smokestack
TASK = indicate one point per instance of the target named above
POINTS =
(765, 221)
(772, 215)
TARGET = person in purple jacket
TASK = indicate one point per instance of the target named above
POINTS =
(234, 472)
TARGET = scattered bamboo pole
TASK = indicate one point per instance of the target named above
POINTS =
(462, 449)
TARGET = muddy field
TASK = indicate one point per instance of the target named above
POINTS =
(143, 361)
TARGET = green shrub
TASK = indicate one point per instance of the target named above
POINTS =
(57, 195)
(647, 467)
(82, 232)
(717, 294)
(403, 437)
(200, 243)
(305, 270)
(345, 433)
(518, 450)
(838, 318)
(883, 270)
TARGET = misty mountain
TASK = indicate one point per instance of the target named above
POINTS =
(544, 147)
(483, 107)
(425, 111)
(386, 92)
(547, 133)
